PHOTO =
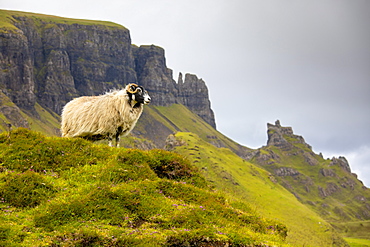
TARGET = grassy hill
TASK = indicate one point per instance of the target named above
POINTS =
(69, 192)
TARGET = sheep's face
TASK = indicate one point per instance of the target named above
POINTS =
(138, 94)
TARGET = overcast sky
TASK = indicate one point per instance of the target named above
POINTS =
(306, 62)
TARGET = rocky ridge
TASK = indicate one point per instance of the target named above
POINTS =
(326, 185)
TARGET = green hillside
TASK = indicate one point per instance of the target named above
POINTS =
(228, 172)
(69, 192)
(326, 186)
(42, 120)
(157, 122)
(340, 193)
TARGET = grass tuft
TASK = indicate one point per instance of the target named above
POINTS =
(26, 189)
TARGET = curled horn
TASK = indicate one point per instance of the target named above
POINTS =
(129, 88)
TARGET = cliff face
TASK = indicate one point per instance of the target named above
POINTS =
(193, 93)
(51, 60)
(154, 75)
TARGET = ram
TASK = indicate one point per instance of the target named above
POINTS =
(113, 114)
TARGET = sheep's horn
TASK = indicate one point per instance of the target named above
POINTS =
(129, 88)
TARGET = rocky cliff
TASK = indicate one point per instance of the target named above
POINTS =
(50, 60)
(153, 74)
(326, 185)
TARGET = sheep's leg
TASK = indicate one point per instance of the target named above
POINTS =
(117, 140)
(118, 135)
(110, 141)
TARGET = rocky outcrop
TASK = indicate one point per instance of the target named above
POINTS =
(328, 172)
(154, 75)
(193, 93)
(286, 171)
(265, 157)
(341, 162)
(172, 142)
(330, 189)
(52, 60)
(283, 137)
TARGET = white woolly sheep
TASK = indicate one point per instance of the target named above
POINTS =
(106, 116)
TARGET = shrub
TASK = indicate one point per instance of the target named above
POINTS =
(174, 166)
(170, 165)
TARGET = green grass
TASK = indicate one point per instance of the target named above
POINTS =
(174, 118)
(69, 192)
(7, 20)
(228, 172)
(357, 242)
(354, 229)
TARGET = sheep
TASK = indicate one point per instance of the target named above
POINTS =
(100, 117)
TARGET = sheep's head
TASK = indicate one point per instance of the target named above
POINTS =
(138, 94)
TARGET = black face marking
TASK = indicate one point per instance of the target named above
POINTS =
(140, 97)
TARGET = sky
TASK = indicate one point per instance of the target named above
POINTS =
(304, 62)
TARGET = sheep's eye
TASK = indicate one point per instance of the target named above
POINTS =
(139, 90)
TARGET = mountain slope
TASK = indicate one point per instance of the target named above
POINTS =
(157, 122)
(228, 172)
(11, 116)
(326, 186)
